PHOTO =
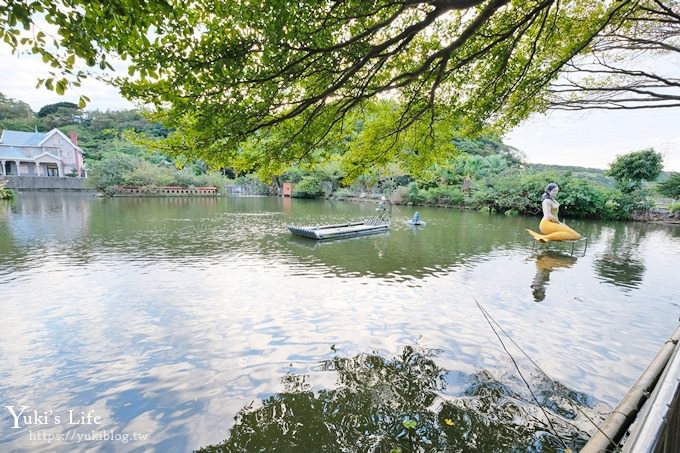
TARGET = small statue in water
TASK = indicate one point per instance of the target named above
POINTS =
(416, 220)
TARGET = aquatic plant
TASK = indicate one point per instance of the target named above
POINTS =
(5, 192)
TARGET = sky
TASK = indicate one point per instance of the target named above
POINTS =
(587, 139)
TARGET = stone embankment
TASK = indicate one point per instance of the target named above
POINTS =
(49, 183)
(656, 215)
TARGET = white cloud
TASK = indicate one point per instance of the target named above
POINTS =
(595, 138)
(21, 73)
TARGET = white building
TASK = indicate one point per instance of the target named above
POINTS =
(40, 154)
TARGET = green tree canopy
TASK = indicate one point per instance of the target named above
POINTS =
(671, 187)
(14, 109)
(629, 170)
(298, 69)
(293, 72)
(53, 108)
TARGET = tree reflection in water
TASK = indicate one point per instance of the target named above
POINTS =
(621, 263)
(375, 396)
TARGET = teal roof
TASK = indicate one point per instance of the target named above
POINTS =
(21, 138)
(10, 152)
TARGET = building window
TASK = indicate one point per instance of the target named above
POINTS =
(52, 170)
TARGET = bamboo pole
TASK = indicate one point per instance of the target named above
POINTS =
(624, 414)
(657, 426)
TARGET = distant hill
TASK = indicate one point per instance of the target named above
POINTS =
(595, 175)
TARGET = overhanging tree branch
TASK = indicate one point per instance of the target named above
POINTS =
(601, 79)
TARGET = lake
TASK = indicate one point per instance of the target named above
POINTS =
(172, 324)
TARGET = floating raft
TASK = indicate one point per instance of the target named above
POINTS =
(341, 230)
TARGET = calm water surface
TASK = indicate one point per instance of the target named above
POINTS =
(175, 324)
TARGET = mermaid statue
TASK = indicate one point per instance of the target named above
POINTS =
(550, 226)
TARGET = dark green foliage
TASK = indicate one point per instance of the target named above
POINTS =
(579, 198)
(437, 196)
(112, 170)
(54, 108)
(620, 205)
(309, 187)
(125, 120)
(629, 170)
(61, 118)
(6, 194)
(521, 192)
(414, 194)
(13, 109)
(118, 169)
(670, 187)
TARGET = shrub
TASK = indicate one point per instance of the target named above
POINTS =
(343, 193)
(578, 198)
(414, 194)
(620, 205)
(118, 169)
(6, 194)
(147, 174)
(671, 187)
(112, 170)
(184, 177)
(674, 207)
(522, 193)
(451, 196)
(309, 187)
(214, 179)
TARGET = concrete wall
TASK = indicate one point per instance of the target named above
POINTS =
(45, 183)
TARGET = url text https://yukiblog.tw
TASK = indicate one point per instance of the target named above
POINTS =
(74, 435)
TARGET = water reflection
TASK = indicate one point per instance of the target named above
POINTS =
(38, 224)
(200, 305)
(621, 263)
(546, 263)
(376, 398)
(142, 229)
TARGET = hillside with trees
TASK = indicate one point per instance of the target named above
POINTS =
(125, 148)
(112, 158)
